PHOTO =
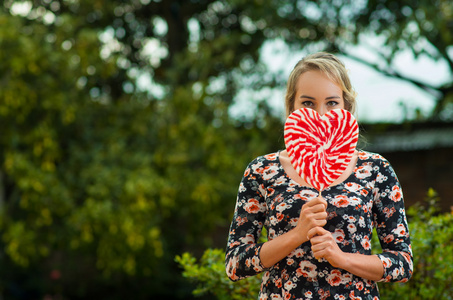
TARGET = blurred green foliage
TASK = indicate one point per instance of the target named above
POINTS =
(431, 237)
(101, 188)
(117, 151)
(432, 244)
(210, 275)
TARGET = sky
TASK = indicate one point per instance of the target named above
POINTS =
(380, 98)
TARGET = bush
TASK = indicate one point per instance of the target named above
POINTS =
(432, 244)
(431, 236)
(210, 275)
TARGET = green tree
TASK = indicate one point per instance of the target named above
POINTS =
(101, 183)
(180, 42)
(425, 28)
(117, 149)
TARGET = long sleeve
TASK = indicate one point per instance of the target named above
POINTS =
(242, 253)
(391, 226)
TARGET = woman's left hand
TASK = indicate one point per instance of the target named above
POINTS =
(323, 245)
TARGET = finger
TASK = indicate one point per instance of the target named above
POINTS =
(317, 247)
(317, 231)
(320, 200)
(313, 232)
(318, 204)
(315, 223)
(319, 221)
(308, 208)
(318, 251)
(319, 207)
(320, 216)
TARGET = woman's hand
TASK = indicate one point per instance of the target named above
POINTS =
(312, 215)
(323, 245)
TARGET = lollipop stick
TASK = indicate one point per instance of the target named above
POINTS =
(319, 195)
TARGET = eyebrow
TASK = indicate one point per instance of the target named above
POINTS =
(328, 98)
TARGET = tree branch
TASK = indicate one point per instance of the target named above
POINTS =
(435, 91)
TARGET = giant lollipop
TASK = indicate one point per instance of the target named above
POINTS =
(320, 147)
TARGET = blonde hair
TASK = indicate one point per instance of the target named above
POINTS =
(332, 67)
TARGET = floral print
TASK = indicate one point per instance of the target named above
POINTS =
(370, 197)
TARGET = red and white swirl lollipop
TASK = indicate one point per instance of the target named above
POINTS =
(320, 147)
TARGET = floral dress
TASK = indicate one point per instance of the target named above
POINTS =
(370, 197)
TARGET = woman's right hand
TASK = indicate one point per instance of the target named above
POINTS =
(313, 214)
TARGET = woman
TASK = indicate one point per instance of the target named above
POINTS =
(319, 246)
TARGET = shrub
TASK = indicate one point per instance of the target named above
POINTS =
(210, 275)
(432, 244)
